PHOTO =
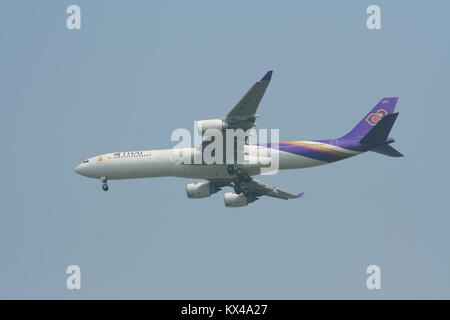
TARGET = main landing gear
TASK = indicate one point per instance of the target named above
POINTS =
(238, 189)
(105, 185)
(241, 174)
(242, 177)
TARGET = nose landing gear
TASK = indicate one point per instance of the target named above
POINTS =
(105, 185)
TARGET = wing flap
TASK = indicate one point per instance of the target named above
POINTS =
(261, 189)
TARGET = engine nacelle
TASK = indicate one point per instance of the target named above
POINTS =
(235, 200)
(200, 190)
(204, 125)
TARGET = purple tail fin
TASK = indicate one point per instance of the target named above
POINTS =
(383, 108)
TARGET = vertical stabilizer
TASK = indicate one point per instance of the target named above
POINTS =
(383, 108)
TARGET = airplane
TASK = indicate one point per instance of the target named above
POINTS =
(370, 134)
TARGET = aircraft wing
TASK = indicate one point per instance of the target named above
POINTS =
(243, 114)
(258, 188)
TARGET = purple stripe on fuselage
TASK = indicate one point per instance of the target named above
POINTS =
(322, 154)
(354, 144)
(309, 151)
(349, 144)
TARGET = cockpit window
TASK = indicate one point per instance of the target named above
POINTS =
(85, 161)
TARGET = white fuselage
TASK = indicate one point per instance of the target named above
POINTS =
(161, 163)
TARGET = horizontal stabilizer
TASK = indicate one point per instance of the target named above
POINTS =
(387, 150)
(381, 130)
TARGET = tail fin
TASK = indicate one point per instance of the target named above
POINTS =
(383, 108)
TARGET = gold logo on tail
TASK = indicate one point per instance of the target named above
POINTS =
(373, 118)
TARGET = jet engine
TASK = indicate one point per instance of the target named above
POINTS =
(201, 189)
(204, 125)
(235, 200)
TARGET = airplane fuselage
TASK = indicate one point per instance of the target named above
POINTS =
(211, 160)
(164, 163)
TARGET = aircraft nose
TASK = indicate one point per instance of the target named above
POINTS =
(78, 169)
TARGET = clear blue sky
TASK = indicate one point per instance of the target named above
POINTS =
(139, 69)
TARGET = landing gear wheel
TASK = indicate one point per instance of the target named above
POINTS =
(237, 189)
(242, 175)
(105, 187)
(231, 169)
(245, 177)
(239, 172)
